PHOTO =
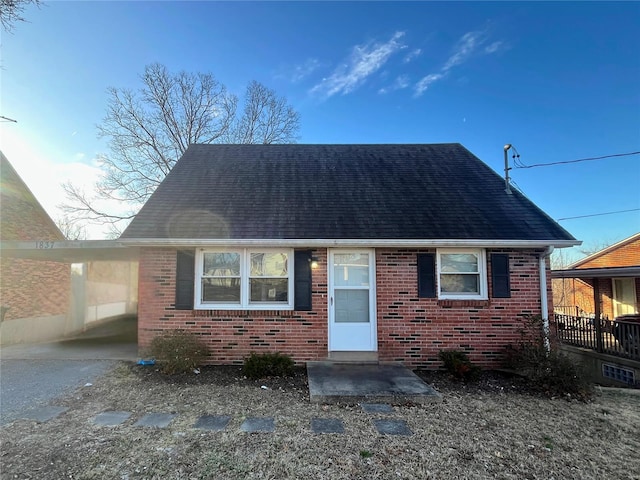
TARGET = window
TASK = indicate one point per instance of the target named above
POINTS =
(462, 274)
(244, 279)
(624, 296)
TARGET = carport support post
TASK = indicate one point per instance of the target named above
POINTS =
(596, 310)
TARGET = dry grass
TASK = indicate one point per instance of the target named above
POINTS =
(490, 432)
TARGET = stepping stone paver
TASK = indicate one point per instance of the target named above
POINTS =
(157, 420)
(111, 418)
(327, 425)
(215, 423)
(392, 427)
(377, 407)
(258, 424)
(43, 414)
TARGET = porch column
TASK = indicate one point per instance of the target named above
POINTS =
(596, 310)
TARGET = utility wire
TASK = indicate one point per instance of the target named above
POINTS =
(600, 214)
(519, 164)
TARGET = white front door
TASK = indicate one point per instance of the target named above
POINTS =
(352, 306)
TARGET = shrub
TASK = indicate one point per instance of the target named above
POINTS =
(178, 351)
(547, 370)
(267, 365)
(458, 364)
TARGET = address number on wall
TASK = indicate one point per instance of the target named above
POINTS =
(43, 245)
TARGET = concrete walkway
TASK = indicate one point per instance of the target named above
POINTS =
(114, 340)
(331, 382)
(382, 418)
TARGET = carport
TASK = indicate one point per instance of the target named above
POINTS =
(102, 286)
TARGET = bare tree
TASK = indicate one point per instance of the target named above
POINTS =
(70, 229)
(266, 118)
(11, 12)
(149, 129)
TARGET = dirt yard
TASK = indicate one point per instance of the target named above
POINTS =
(492, 429)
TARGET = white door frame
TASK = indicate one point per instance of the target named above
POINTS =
(367, 333)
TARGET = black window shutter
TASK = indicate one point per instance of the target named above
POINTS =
(500, 275)
(302, 280)
(185, 279)
(427, 275)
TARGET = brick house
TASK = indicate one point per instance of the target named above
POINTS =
(35, 295)
(388, 252)
(614, 271)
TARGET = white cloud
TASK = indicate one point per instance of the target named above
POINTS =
(364, 61)
(466, 47)
(300, 72)
(494, 47)
(425, 82)
(400, 83)
(412, 55)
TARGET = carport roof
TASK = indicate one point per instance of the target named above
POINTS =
(603, 272)
(69, 251)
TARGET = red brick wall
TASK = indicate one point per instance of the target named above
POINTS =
(413, 330)
(579, 293)
(29, 288)
(230, 335)
(410, 329)
(34, 288)
(627, 255)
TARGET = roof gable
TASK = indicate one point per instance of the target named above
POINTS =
(436, 191)
(21, 215)
(625, 253)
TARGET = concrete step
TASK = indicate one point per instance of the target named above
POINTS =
(353, 357)
(338, 382)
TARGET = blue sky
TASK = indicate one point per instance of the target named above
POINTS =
(559, 81)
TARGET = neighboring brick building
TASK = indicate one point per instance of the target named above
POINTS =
(35, 294)
(615, 270)
(389, 252)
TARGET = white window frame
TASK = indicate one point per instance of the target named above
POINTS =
(245, 268)
(482, 274)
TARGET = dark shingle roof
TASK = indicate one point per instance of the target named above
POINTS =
(438, 191)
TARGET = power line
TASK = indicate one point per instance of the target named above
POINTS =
(519, 164)
(599, 214)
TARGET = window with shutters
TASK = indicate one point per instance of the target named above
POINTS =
(462, 274)
(252, 279)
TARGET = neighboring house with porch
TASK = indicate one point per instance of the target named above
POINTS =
(597, 300)
(614, 270)
(387, 252)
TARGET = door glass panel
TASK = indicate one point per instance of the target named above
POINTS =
(351, 270)
(352, 306)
